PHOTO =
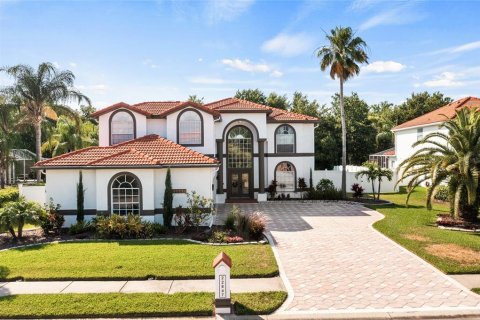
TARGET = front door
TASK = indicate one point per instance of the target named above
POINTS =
(239, 184)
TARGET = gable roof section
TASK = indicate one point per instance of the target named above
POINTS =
(387, 153)
(441, 114)
(273, 114)
(150, 150)
(160, 109)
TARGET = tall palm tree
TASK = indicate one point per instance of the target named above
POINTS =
(452, 158)
(8, 124)
(342, 55)
(42, 91)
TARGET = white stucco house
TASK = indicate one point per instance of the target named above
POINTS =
(406, 134)
(227, 150)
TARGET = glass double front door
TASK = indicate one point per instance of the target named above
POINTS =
(240, 184)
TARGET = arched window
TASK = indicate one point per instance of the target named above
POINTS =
(285, 139)
(285, 176)
(125, 194)
(122, 127)
(240, 148)
(190, 128)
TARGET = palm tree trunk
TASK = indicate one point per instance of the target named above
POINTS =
(38, 145)
(373, 189)
(378, 191)
(344, 143)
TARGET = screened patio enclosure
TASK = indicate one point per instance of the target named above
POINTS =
(19, 169)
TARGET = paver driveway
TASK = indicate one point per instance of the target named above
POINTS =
(335, 260)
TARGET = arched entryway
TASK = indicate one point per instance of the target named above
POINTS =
(239, 162)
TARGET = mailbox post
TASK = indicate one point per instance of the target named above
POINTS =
(222, 264)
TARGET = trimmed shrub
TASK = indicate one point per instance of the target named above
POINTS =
(80, 198)
(159, 229)
(218, 237)
(80, 228)
(168, 200)
(130, 226)
(232, 217)
(256, 225)
(357, 190)
(52, 222)
(329, 194)
(441, 193)
(325, 185)
(8, 194)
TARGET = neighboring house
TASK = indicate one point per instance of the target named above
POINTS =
(406, 134)
(227, 150)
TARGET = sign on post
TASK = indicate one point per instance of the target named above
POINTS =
(222, 264)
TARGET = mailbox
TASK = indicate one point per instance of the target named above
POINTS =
(222, 264)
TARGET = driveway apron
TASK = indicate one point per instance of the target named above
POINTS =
(335, 261)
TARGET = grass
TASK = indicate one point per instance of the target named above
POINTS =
(137, 259)
(476, 290)
(132, 304)
(414, 228)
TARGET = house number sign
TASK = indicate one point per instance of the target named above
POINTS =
(222, 264)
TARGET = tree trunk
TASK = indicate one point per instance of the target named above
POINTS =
(12, 232)
(2, 175)
(38, 146)
(378, 190)
(373, 189)
(344, 143)
(20, 230)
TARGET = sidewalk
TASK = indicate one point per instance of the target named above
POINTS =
(141, 286)
(468, 280)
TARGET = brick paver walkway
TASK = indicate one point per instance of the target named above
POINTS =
(335, 261)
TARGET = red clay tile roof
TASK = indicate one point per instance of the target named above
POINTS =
(441, 114)
(163, 108)
(274, 114)
(155, 108)
(150, 150)
(388, 152)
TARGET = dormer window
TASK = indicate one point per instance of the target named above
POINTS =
(285, 139)
(122, 127)
(190, 128)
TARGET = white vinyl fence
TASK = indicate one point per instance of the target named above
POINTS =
(33, 193)
(336, 176)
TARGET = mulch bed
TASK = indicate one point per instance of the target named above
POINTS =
(447, 222)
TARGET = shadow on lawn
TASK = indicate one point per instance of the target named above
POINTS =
(131, 242)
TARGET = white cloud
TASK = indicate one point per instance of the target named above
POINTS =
(445, 79)
(384, 66)
(72, 64)
(56, 64)
(459, 49)
(289, 45)
(200, 59)
(225, 10)
(397, 16)
(248, 66)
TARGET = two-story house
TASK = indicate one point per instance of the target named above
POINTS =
(406, 134)
(227, 150)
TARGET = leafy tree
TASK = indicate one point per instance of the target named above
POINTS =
(196, 99)
(252, 95)
(328, 143)
(277, 101)
(418, 104)
(342, 55)
(80, 198)
(301, 104)
(39, 92)
(168, 200)
(381, 174)
(360, 131)
(86, 113)
(452, 158)
(70, 135)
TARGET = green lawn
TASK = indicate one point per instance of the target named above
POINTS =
(132, 305)
(476, 290)
(414, 228)
(139, 259)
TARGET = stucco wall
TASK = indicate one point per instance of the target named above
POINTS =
(104, 127)
(304, 136)
(208, 131)
(157, 126)
(61, 185)
(336, 177)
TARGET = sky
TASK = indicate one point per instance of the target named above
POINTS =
(136, 51)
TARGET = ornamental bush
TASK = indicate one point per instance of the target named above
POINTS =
(325, 185)
(130, 226)
(52, 222)
(8, 194)
(357, 190)
(441, 193)
(15, 214)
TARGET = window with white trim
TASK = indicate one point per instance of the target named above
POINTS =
(125, 195)
(285, 139)
(190, 128)
(285, 176)
(122, 127)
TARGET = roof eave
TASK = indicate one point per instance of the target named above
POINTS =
(157, 166)
(399, 128)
